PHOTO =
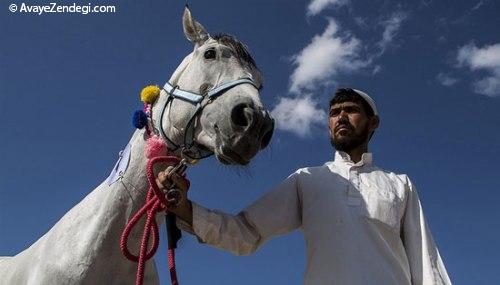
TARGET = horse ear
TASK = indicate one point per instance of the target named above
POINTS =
(193, 30)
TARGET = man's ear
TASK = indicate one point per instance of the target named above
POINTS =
(374, 122)
(193, 30)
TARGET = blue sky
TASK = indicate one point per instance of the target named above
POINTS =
(69, 84)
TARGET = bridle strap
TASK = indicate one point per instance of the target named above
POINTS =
(175, 92)
(215, 92)
(162, 132)
(195, 98)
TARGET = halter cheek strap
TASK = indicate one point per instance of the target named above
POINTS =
(190, 147)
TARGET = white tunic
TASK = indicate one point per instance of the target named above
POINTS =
(362, 225)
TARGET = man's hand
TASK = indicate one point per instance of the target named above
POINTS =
(177, 200)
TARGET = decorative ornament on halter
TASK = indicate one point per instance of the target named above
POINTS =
(155, 145)
(142, 118)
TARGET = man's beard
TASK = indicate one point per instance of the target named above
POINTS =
(351, 141)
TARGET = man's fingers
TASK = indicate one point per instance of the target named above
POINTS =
(175, 197)
(161, 176)
(160, 182)
(163, 179)
(168, 170)
(167, 178)
(179, 181)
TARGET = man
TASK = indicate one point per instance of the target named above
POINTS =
(362, 224)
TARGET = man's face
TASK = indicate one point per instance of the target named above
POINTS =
(350, 126)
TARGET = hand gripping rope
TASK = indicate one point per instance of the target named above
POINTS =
(154, 204)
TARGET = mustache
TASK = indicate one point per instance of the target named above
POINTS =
(344, 125)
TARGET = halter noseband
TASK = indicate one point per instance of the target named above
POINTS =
(190, 147)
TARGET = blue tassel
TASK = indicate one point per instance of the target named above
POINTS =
(140, 119)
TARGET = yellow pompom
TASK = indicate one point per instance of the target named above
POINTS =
(149, 94)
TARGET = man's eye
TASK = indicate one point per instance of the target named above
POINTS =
(334, 112)
(210, 54)
(354, 110)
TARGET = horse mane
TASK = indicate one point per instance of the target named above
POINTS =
(240, 49)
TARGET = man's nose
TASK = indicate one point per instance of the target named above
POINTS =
(343, 116)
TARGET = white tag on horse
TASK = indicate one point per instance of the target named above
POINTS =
(120, 166)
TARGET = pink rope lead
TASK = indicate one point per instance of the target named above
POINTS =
(155, 203)
(171, 266)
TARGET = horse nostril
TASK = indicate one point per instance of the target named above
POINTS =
(241, 116)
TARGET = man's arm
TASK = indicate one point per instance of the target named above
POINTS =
(426, 265)
(277, 212)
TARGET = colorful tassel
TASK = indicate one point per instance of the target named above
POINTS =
(155, 146)
(147, 109)
(140, 119)
(149, 94)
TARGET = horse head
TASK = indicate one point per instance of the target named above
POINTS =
(211, 104)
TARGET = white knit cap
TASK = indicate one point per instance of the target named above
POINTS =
(368, 100)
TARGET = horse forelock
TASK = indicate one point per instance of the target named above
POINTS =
(240, 49)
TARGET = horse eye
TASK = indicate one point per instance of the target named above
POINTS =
(210, 54)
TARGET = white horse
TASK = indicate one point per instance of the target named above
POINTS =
(83, 247)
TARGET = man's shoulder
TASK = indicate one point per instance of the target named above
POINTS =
(398, 183)
(392, 175)
(311, 170)
(397, 179)
(317, 172)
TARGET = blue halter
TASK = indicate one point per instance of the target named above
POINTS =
(190, 147)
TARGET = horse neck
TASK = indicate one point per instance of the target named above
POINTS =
(108, 208)
(134, 180)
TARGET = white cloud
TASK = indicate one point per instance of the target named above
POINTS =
(316, 6)
(391, 28)
(489, 85)
(325, 57)
(487, 59)
(446, 79)
(298, 115)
